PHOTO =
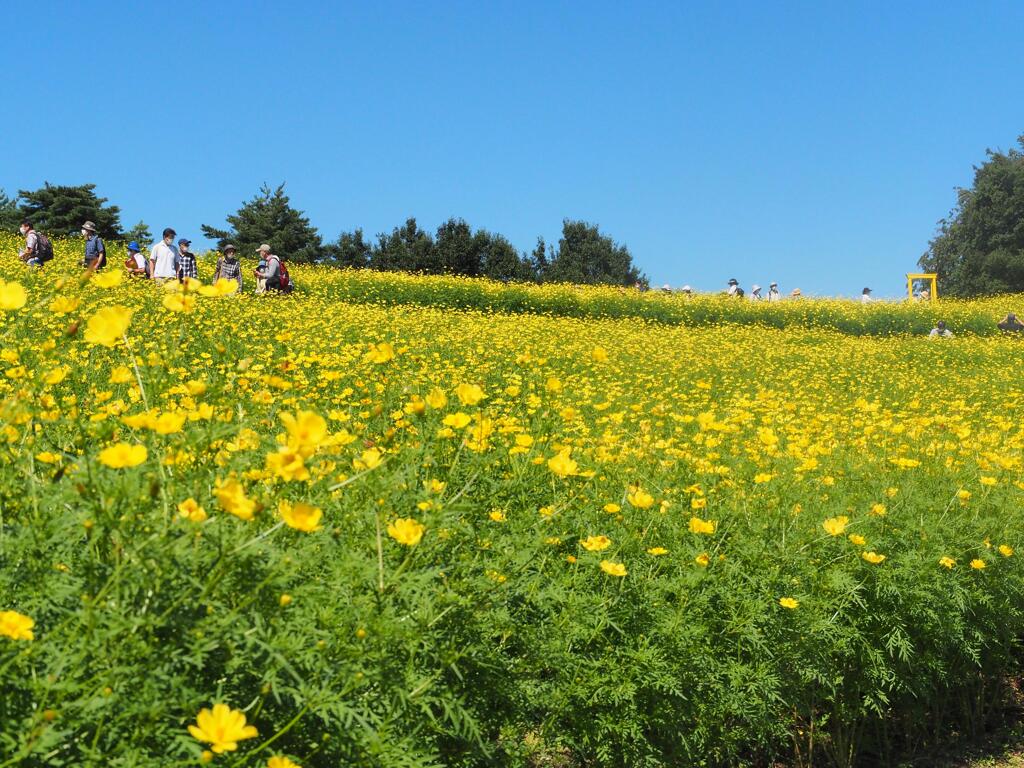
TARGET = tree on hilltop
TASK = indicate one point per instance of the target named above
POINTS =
(10, 216)
(61, 210)
(586, 256)
(979, 249)
(270, 218)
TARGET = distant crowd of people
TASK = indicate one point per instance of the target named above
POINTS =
(166, 260)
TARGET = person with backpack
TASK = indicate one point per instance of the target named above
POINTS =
(38, 249)
(228, 267)
(734, 289)
(95, 250)
(187, 266)
(136, 263)
(275, 273)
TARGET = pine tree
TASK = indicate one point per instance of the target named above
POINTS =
(270, 218)
(60, 210)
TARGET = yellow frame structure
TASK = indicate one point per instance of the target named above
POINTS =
(931, 277)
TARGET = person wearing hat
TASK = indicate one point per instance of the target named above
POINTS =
(865, 296)
(136, 263)
(734, 289)
(261, 281)
(186, 260)
(274, 274)
(228, 267)
(773, 293)
(940, 331)
(95, 250)
(686, 291)
(755, 292)
(163, 258)
(795, 293)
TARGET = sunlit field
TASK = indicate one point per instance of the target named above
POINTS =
(379, 523)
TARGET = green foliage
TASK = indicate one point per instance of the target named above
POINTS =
(270, 218)
(61, 210)
(980, 248)
(585, 256)
(140, 233)
(10, 216)
(350, 250)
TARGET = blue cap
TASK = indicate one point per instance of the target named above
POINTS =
(184, 241)
(133, 246)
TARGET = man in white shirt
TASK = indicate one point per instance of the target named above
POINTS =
(163, 259)
(773, 293)
(865, 297)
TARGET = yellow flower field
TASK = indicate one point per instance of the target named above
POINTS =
(504, 538)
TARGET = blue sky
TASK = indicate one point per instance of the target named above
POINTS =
(816, 144)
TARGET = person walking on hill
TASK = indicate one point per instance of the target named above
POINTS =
(95, 250)
(865, 296)
(940, 331)
(773, 293)
(275, 273)
(136, 263)
(38, 248)
(734, 289)
(755, 293)
(1010, 324)
(228, 267)
(186, 260)
(163, 258)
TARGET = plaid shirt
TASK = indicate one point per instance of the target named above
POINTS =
(187, 267)
(230, 270)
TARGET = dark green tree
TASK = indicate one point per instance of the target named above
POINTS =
(270, 218)
(140, 233)
(540, 259)
(351, 249)
(458, 251)
(60, 210)
(586, 256)
(979, 248)
(499, 260)
(10, 216)
(408, 248)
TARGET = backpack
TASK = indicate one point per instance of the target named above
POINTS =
(44, 248)
(739, 293)
(283, 282)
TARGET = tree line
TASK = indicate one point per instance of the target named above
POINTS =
(583, 254)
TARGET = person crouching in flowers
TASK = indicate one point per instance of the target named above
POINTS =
(228, 267)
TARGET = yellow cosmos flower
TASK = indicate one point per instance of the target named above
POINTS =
(553, 385)
(12, 296)
(307, 431)
(287, 464)
(123, 455)
(56, 376)
(457, 420)
(856, 539)
(613, 508)
(169, 423)
(469, 394)
(599, 355)
(872, 557)
(180, 302)
(640, 499)
(16, 626)
(191, 510)
(1005, 550)
(702, 526)
(281, 762)
(613, 569)
(788, 602)
(381, 353)
(232, 499)
(108, 325)
(300, 516)
(64, 305)
(106, 279)
(222, 728)
(406, 530)
(987, 480)
(978, 564)
(836, 526)
(562, 465)
(436, 398)
(657, 551)
(698, 503)
(121, 375)
(497, 516)
(284, 600)
(596, 543)
(702, 559)
(371, 458)
(763, 477)
(878, 510)
(47, 457)
(947, 562)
